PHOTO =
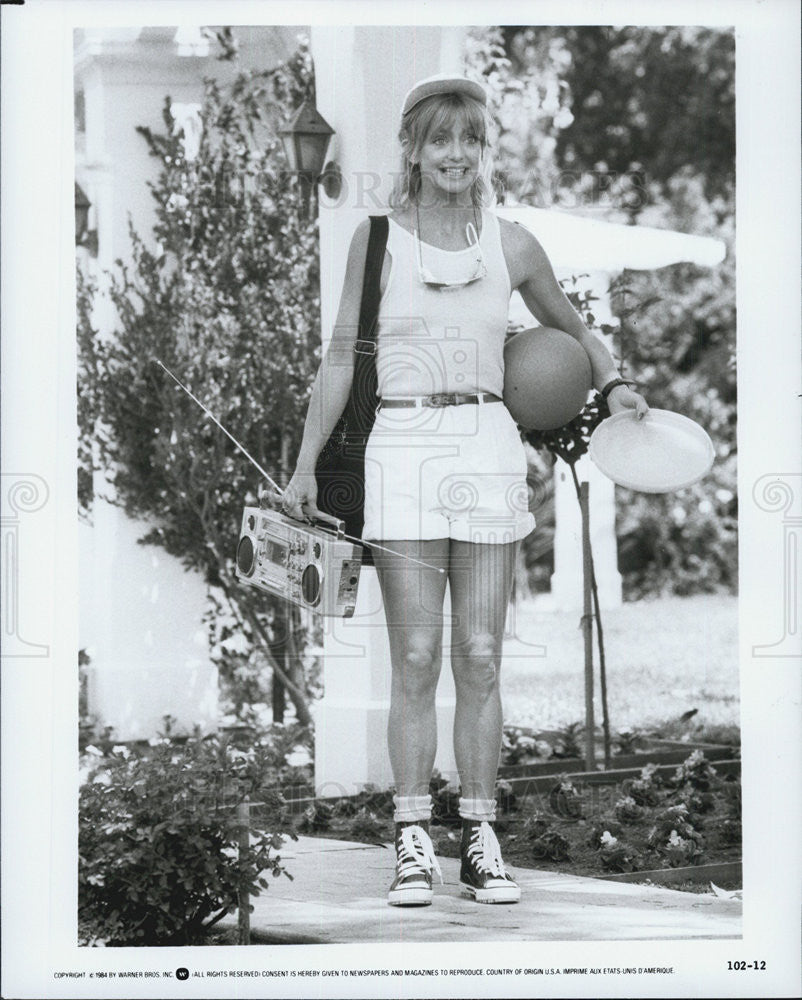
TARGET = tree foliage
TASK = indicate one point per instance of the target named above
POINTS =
(651, 100)
(225, 294)
(637, 125)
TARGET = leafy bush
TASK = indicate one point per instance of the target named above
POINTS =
(370, 799)
(605, 824)
(697, 803)
(366, 825)
(627, 810)
(647, 789)
(445, 801)
(680, 851)
(376, 800)
(506, 799)
(628, 742)
(158, 837)
(696, 771)
(568, 742)
(344, 807)
(315, 818)
(519, 746)
(535, 826)
(674, 820)
(552, 846)
(93, 733)
(616, 855)
(565, 800)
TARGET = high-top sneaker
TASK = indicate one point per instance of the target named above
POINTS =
(482, 874)
(415, 861)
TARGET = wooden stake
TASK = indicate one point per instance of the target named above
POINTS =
(243, 899)
(587, 627)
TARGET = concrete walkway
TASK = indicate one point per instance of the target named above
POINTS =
(338, 895)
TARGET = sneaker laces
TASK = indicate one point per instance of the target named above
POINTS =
(484, 851)
(416, 853)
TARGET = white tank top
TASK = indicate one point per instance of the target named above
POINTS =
(442, 341)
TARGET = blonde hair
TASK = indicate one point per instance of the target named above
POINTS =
(423, 120)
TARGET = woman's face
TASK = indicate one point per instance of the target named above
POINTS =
(450, 157)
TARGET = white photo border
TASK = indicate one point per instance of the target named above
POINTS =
(39, 705)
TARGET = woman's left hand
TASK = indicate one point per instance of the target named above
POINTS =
(624, 398)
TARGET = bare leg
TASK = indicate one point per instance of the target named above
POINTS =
(480, 577)
(413, 605)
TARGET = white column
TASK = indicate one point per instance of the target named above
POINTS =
(351, 718)
(141, 611)
(566, 581)
(362, 74)
(147, 643)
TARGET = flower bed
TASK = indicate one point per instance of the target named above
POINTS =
(660, 817)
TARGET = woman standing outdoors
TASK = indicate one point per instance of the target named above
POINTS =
(445, 468)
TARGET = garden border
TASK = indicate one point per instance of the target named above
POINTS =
(536, 777)
(724, 871)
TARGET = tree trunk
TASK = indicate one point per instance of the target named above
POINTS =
(296, 691)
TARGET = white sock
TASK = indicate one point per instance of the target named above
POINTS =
(478, 809)
(409, 808)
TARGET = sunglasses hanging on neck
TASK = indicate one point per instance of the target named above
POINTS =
(472, 269)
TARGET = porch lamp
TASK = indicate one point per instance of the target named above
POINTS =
(84, 237)
(305, 140)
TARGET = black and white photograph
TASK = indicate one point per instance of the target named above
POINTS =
(401, 500)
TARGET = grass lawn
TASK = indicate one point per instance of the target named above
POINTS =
(664, 657)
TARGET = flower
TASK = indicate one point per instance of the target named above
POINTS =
(177, 202)
(299, 757)
(679, 514)
(674, 840)
(608, 840)
(562, 118)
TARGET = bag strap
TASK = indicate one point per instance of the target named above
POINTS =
(360, 410)
(371, 284)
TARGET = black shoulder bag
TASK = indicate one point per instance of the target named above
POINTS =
(340, 469)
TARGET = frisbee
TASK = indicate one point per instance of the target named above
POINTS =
(663, 452)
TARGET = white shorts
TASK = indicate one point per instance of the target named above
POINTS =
(446, 472)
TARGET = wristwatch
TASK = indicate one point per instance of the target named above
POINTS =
(613, 383)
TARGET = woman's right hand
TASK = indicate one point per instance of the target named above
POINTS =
(301, 491)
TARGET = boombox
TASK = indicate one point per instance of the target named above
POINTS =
(313, 567)
(308, 565)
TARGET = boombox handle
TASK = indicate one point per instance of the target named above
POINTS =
(270, 497)
(334, 522)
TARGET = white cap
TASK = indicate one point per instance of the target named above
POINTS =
(443, 83)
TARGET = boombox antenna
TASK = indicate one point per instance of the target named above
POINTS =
(209, 413)
(274, 484)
